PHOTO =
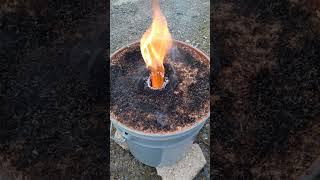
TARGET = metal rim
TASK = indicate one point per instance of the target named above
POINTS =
(141, 133)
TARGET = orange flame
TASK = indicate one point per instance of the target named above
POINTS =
(155, 44)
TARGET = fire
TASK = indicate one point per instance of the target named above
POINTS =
(155, 44)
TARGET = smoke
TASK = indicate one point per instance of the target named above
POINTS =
(161, 118)
(174, 53)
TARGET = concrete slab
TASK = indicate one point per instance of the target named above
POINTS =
(185, 169)
(124, 145)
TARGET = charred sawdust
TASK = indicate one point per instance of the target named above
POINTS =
(182, 102)
(265, 96)
(53, 63)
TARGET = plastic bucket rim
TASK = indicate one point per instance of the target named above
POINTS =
(174, 40)
(141, 133)
(169, 134)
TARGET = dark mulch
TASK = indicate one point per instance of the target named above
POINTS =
(136, 105)
(53, 65)
(265, 97)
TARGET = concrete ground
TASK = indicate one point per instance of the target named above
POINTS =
(188, 21)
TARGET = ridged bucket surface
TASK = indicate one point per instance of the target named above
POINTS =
(159, 149)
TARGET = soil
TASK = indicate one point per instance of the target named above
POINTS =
(181, 103)
(265, 98)
(53, 60)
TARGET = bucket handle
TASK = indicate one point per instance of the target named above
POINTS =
(118, 140)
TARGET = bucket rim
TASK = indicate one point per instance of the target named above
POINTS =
(184, 130)
(169, 134)
(174, 40)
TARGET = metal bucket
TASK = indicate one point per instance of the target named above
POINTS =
(158, 149)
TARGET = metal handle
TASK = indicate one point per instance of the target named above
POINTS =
(118, 140)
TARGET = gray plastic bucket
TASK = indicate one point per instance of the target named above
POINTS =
(157, 149)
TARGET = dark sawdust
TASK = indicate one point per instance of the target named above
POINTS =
(163, 110)
(265, 89)
(53, 60)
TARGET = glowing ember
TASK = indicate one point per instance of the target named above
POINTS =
(155, 44)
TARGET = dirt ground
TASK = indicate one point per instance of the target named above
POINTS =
(265, 88)
(189, 22)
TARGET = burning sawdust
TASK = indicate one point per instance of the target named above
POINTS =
(160, 111)
(189, 75)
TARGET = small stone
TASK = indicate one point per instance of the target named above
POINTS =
(124, 145)
(187, 41)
